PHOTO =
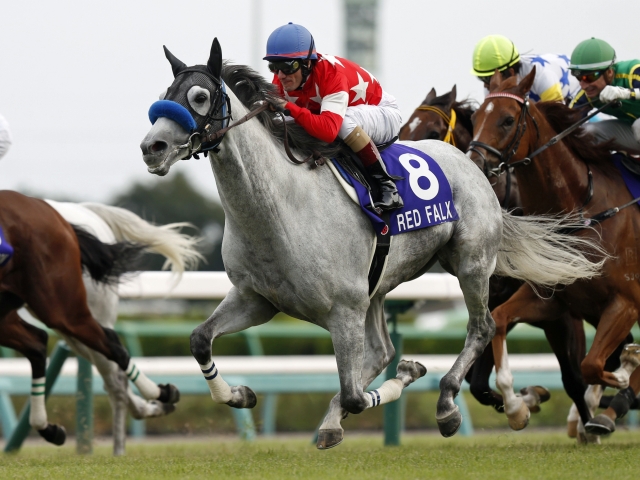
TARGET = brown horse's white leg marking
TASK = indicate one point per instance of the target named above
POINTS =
(629, 361)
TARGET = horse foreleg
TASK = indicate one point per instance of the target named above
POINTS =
(31, 342)
(523, 306)
(378, 352)
(238, 311)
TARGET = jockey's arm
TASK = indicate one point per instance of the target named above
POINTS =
(325, 125)
(333, 106)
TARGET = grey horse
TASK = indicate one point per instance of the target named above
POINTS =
(294, 242)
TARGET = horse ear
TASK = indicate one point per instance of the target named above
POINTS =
(452, 98)
(430, 96)
(214, 64)
(495, 82)
(525, 85)
(176, 65)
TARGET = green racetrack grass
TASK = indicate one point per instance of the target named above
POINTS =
(507, 455)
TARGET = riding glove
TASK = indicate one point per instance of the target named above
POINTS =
(610, 93)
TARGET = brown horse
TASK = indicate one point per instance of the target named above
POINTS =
(45, 273)
(566, 337)
(574, 175)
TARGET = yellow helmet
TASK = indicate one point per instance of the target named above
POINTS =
(493, 52)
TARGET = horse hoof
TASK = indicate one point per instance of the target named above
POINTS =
(585, 438)
(55, 434)
(169, 393)
(534, 396)
(631, 354)
(409, 371)
(242, 397)
(450, 424)
(329, 438)
(572, 428)
(600, 425)
(519, 419)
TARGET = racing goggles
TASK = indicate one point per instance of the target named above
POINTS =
(286, 67)
(587, 77)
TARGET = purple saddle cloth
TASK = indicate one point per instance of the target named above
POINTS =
(6, 250)
(425, 190)
(631, 179)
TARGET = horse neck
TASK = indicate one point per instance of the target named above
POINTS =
(556, 180)
(254, 177)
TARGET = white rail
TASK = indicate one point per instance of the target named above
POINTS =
(216, 285)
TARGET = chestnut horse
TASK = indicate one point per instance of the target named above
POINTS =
(45, 273)
(444, 118)
(574, 175)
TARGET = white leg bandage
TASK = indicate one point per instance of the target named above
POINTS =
(389, 391)
(220, 390)
(38, 413)
(148, 389)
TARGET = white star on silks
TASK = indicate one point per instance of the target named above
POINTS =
(290, 99)
(317, 98)
(332, 60)
(360, 89)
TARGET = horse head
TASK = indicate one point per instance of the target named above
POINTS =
(500, 133)
(431, 120)
(194, 106)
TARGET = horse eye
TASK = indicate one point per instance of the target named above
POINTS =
(509, 121)
(201, 98)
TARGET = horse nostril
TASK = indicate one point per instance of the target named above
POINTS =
(158, 147)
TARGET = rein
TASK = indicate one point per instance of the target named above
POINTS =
(262, 106)
(450, 121)
(504, 167)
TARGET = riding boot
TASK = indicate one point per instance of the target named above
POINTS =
(389, 197)
(368, 154)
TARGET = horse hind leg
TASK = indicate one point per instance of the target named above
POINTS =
(473, 276)
(604, 423)
(31, 342)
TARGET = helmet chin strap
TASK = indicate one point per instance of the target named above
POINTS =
(306, 68)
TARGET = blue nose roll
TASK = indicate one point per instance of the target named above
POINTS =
(173, 111)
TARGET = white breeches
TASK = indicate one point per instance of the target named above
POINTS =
(382, 122)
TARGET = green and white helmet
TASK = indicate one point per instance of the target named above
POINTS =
(592, 54)
(494, 52)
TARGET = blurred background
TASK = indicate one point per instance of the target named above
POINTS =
(77, 79)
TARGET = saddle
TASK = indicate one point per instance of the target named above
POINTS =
(631, 163)
(350, 162)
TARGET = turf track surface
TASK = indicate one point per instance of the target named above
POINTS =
(505, 455)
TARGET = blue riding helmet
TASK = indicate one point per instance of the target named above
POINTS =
(290, 41)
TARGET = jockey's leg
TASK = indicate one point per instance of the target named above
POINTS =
(364, 126)
(367, 152)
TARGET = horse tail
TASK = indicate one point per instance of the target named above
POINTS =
(538, 250)
(107, 262)
(179, 249)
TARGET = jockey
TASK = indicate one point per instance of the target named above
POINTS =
(6, 251)
(602, 79)
(332, 97)
(552, 81)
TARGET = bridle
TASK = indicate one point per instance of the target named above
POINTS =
(510, 150)
(204, 139)
(449, 120)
